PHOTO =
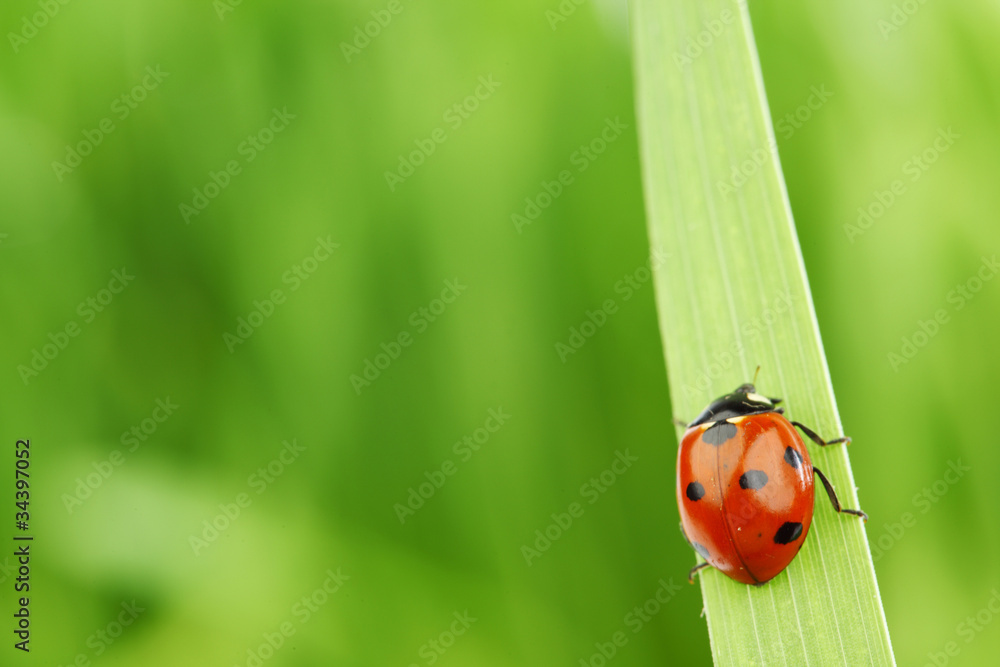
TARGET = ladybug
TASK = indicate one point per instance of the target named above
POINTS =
(745, 486)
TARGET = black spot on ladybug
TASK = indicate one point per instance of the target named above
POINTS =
(695, 491)
(760, 534)
(702, 551)
(793, 458)
(719, 434)
(753, 480)
(789, 532)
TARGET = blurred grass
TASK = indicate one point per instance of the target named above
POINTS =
(494, 346)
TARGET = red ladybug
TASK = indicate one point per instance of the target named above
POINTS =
(745, 486)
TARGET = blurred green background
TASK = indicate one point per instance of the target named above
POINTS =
(321, 560)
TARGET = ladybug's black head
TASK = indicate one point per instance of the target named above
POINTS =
(744, 401)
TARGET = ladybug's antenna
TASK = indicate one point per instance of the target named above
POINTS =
(755, 374)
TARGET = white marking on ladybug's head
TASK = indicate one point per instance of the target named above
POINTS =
(757, 398)
(735, 421)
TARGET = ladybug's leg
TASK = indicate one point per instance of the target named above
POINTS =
(695, 570)
(833, 496)
(818, 440)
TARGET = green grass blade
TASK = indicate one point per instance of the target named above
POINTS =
(733, 295)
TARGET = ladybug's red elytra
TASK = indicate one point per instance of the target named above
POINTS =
(745, 486)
